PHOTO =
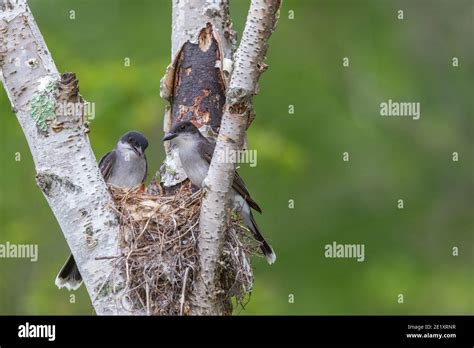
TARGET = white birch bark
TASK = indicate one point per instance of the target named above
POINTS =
(248, 66)
(67, 171)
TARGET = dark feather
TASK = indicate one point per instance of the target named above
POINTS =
(264, 246)
(239, 186)
(206, 148)
(106, 164)
(70, 270)
(146, 169)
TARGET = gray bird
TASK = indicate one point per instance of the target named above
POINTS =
(195, 153)
(125, 166)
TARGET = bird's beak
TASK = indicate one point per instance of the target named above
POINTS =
(170, 136)
(138, 150)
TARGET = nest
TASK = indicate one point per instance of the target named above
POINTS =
(159, 252)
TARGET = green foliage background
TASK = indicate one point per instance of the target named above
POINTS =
(408, 251)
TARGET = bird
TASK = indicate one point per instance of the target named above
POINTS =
(125, 166)
(195, 153)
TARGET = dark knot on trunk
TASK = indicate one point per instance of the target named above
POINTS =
(68, 86)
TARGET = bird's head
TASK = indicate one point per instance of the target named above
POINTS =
(183, 132)
(133, 141)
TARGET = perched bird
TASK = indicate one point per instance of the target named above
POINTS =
(195, 153)
(125, 166)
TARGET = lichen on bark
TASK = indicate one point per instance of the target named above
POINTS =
(42, 106)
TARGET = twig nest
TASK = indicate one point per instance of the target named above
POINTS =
(158, 241)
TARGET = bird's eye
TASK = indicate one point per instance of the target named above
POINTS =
(182, 127)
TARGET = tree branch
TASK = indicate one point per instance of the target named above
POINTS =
(67, 171)
(248, 66)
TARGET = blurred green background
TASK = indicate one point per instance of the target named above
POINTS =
(407, 251)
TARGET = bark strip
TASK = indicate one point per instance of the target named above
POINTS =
(248, 66)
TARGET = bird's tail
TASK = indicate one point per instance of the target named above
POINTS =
(266, 248)
(69, 276)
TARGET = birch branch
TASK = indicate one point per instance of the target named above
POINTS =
(67, 171)
(248, 65)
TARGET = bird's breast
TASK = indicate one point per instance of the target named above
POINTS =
(129, 173)
(194, 165)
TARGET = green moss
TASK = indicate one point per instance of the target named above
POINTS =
(42, 106)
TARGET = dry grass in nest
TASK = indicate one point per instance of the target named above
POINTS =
(158, 239)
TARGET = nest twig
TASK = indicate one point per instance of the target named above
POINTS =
(159, 252)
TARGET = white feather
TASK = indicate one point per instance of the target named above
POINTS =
(67, 283)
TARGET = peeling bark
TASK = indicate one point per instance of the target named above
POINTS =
(67, 171)
(198, 90)
(195, 82)
(248, 66)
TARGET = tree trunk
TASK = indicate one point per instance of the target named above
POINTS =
(248, 66)
(67, 171)
(202, 45)
(202, 40)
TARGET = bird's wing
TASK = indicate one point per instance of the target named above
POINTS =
(106, 163)
(207, 149)
(239, 186)
(146, 168)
